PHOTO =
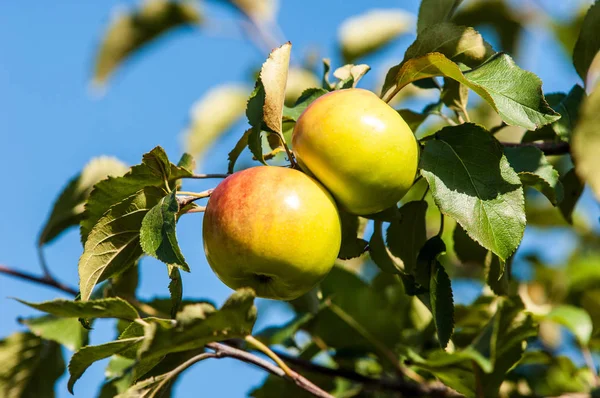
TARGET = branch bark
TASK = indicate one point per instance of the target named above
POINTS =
(549, 148)
(222, 350)
(40, 280)
(407, 388)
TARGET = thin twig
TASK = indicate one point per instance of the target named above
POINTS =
(408, 388)
(183, 367)
(186, 200)
(549, 148)
(43, 263)
(222, 350)
(41, 280)
(199, 209)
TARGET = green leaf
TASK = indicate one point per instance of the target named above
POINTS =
(235, 153)
(498, 275)
(459, 44)
(426, 260)
(586, 141)
(360, 317)
(86, 356)
(129, 32)
(407, 234)
(379, 252)
(573, 188)
(284, 334)
(307, 98)
(113, 307)
(568, 107)
(155, 170)
(113, 244)
(466, 249)
(497, 348)
(495, 14)
(477, 188)
(68, 208)
(265, 106)
(352, 245)
(588, 43)
(432, 12)
(577, 320)
(454, 95)
(30, 366)
(157, 234)
(442, 303)
(175, 289)
(514, 93)
(366, 33)
(534, 170)
(65, 331)
(200, 325)
(213, 115)
(412, 118)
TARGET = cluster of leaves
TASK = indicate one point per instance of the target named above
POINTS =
(465, 216)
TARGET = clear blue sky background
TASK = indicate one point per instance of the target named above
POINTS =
(51, 125)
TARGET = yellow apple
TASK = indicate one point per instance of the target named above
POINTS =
(273, 229)
(359, 148)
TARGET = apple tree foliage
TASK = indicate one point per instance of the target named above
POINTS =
(384, 322)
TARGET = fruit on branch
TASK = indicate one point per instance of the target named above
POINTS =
(359, 148)
(273, 229)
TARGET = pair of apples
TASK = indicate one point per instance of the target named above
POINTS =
(276, 229)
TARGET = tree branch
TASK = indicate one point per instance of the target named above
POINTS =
(41, 280)
(407, 388)
(549, 148)
(222, 350)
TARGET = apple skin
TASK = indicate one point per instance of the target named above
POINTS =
(273, 229)
(359, 148)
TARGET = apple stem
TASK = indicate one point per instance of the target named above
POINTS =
(289, 153)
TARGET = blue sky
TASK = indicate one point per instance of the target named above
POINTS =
(51, 124)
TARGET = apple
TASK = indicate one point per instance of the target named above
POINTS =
(359, 148)
(273, 229)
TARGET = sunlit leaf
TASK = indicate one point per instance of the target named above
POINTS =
(265, 106)
(213, 115)
(155, 170)
(577, 320)
(514, 93)
(68, 208)
(65, 331)
(477, 188)
(113, 244)
(586, 141)
(128, 32)
(30, 366)
(363, 34)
